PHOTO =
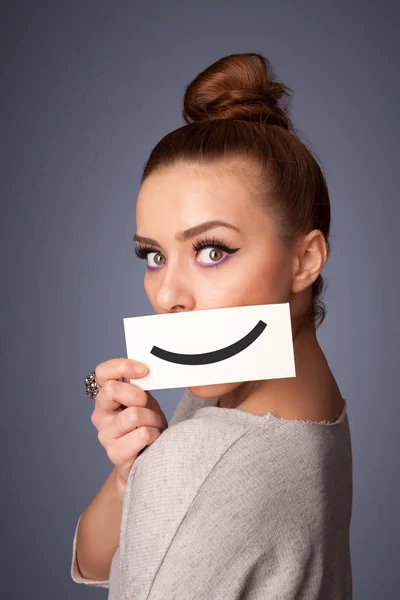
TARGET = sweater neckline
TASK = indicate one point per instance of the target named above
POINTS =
(269, 416)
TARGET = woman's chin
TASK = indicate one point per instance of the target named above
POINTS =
(213, 391)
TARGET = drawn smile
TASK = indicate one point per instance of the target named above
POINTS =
(211, 357)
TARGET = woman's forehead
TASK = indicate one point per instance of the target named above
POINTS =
(191, 188)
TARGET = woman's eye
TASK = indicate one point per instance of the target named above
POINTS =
(211, 255)
(157, 258)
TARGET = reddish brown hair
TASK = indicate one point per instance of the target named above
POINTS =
(235, 111)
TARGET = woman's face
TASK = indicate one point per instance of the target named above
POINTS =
(253, 266)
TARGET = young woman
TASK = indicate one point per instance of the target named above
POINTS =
(248, 491)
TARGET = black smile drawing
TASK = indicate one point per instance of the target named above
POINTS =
(214, 356)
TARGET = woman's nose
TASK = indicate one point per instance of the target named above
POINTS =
(175, 291)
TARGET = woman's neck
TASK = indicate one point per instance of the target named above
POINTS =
(312, 392)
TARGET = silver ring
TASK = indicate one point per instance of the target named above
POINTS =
(92, 386)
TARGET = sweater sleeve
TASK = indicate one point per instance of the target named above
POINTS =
(239, 540)
(75, 572)
(185, 407)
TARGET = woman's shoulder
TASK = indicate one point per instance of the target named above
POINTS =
(264, 444)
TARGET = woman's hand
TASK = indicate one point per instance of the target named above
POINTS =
(126, 417)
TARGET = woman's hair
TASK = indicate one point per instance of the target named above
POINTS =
(236, 113)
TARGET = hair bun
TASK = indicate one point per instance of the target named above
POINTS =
(237, 86)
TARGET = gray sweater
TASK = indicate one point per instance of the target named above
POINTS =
(228, 505)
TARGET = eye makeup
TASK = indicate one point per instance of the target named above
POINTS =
(142, 251)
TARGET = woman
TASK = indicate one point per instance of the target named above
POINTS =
(248, 492)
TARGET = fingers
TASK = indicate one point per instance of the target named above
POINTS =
(114, 393)
(113, 398)
(125, 433)
(134, 418)
(117, 368)
(125, 449)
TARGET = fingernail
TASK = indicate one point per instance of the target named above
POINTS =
(141, 369)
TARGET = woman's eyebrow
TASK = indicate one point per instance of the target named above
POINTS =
(182, 236)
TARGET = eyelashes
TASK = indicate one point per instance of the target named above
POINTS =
(213, 243)
(142, 250)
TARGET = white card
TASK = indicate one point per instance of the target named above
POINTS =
(218, 345)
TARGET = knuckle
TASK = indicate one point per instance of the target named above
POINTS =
(94, 418)
(101, 436)
(125, 420)
(125, 369)
(98, 371)
(112, 454)
(145, 433)
(109, 387)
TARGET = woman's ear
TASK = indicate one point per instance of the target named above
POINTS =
(309, 260)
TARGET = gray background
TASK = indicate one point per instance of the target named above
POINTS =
(87, 89)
